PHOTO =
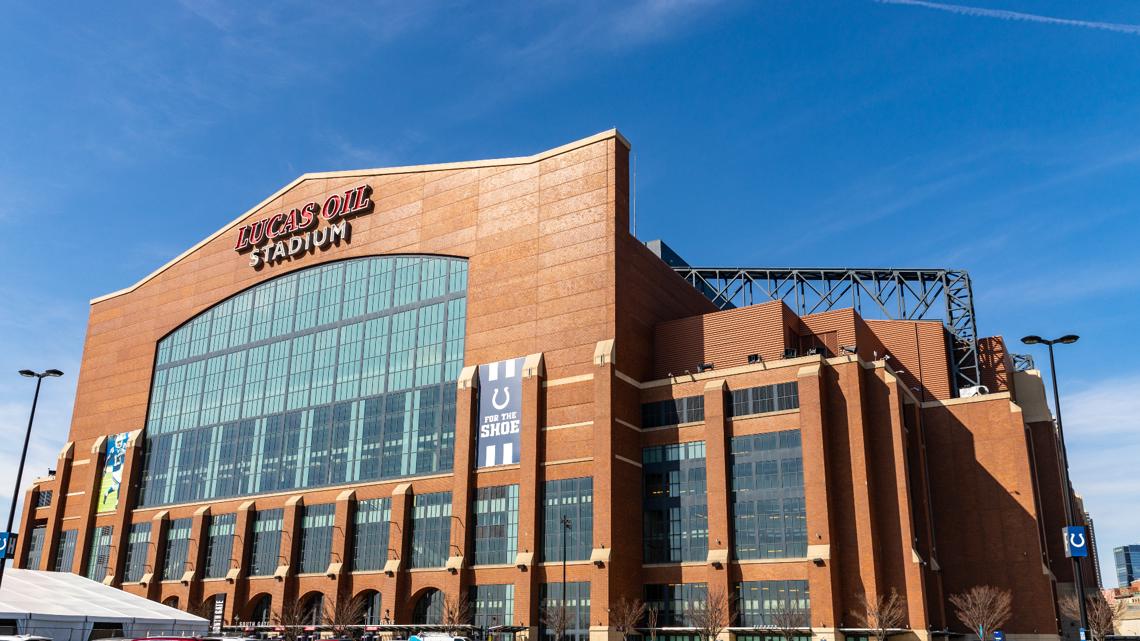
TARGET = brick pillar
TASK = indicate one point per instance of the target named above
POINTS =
(55, 513)
(827, 605)
(194, 568)
(156, 554)
(239, 560)
(530, 488)
(342, 543)
(290, 552)
(858, 443)
(463, 487)
(89, 485)
(24, 527)
(716, 468)
(128, 498)
(605, 511)
(394, 587)
(912, 563)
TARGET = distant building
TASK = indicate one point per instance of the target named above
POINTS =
(1092, 547)
(1127, 564)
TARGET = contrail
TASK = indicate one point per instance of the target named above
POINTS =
(1017, 16)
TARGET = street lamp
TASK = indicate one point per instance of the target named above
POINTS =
(565, 528)
(24, 455)
(1070, 506)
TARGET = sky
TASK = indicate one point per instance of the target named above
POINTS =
(997, 136)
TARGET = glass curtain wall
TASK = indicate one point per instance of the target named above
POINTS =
(339, 373)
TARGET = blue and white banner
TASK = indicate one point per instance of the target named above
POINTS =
(7, 546)
(500, 413)
(1076, 542)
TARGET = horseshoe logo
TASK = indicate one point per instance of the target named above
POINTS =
(506, 398)
(1074, 537)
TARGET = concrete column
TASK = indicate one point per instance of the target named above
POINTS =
(716, 456)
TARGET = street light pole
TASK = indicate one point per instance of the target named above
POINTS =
(1070, 504)
(23, 456)
(565, 528)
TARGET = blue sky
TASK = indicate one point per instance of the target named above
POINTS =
(767, 133)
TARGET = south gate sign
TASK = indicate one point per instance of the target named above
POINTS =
(286, 235)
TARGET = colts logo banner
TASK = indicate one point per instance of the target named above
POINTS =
(500, 404)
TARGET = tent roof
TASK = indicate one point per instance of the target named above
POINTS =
(66, 596)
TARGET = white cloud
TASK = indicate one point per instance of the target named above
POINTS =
(1017, 16)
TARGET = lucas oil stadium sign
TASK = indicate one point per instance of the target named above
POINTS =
(287, 235)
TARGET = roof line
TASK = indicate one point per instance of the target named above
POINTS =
(382, 171)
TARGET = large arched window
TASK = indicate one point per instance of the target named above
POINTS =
(429, 608)
(339, 373)
(371, 602)
(262, 610)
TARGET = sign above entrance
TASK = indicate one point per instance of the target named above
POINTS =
(288, 235)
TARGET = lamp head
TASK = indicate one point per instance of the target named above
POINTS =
(1032, 339)
(27, 372)
(53, 373)
(1068, 339)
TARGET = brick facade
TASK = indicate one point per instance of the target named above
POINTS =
(906, 488)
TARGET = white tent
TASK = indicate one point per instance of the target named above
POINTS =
(66, 606)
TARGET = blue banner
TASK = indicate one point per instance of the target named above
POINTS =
(7, 545)
(500, 413)
(1076, 542)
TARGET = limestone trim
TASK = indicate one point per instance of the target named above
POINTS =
(629, 425)
(568, 380)
(467, 378)
(604, 352)
(584, 459)
(625, 460)
(363, 173)
(567, 426)
(403, 480)
(714, 374)
(981, 398)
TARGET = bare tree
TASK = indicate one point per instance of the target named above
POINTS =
(711, 615)
(881, 614)
(556, 619)
(1103, 616)
(626, 615)
(204, 609)
(651, 617)
(456, 612)
(789, 620)
(291, 619)
(345, 615)
(983, 608)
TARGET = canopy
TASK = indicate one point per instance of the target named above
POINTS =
(66, 606)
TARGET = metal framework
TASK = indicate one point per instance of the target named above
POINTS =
(1022, 362)
(895, 294)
